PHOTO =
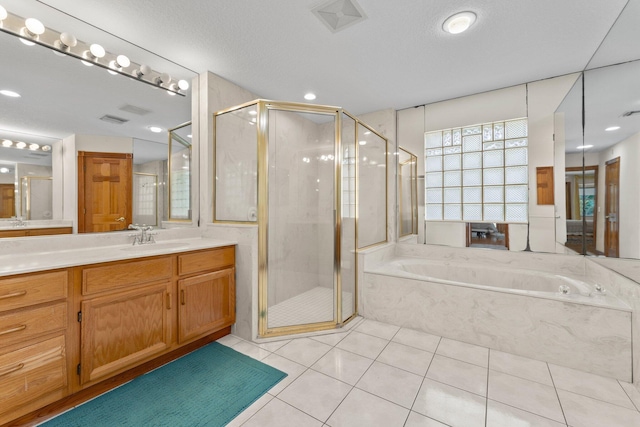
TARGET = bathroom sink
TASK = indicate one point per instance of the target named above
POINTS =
(156, 247)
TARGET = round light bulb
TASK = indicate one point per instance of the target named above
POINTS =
(3, 13)
(7, 143)
(4, 170)
(144, 69)
(46, 148)
(33, 147)
(310, 96)
(67, 41)
(123, 61)
(20, 145)
(34, 26)
(459, 22)
(183, 84)
(97, 50)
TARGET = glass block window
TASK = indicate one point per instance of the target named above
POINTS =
(478, 173)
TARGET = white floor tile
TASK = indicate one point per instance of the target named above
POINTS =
(363, 409)
(519, 366)
(229, 340)
(417, 339)
(527, 395)
(404, 357)
(279, 414)
(582, 411)
(450, 405)
(363, 344)
(273, 345)
(459, 374)
(251, 350)
(465, 352)
(343, 365)
(330, 339)
(391, 383)
(291, 368)
(632, 392)
(315, 394)
(417, 420)
(252, 409)
(590, 385)
(501, 415)
(377, 329)
(304, 351)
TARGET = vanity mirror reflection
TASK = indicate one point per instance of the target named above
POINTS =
(66, 107)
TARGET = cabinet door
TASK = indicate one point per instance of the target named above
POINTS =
(121, 330)
(207, 304)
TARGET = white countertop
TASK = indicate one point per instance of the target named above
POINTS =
(60, 258)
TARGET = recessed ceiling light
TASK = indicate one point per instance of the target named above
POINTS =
(10, 93)
(155, 129)
(459, 22)
(309, 96)
(612, 128)
(362, 142)
(189, 136)
(584, 147)
(4, 170)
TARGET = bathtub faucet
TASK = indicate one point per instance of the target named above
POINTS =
(144, 238)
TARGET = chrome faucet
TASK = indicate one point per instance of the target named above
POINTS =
(145, 237)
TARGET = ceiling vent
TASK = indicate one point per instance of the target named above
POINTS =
(113, 119)
(134, 110)
(339, 14)
(630, 113)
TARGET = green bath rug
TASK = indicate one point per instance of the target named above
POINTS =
(207, 387)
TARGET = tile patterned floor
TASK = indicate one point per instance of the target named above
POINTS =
(379, 375)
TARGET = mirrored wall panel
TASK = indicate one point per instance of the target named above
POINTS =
(407, 192)
(180, 173)
(372, 176)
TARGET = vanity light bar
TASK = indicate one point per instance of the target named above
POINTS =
(33, 31)
(19, 145)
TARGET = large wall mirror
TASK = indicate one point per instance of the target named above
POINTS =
(600, 206)
(66, 107)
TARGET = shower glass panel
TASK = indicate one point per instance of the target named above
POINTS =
(407, 192)
(348, 219)
(372, 200)
(180, 173)
(236, 161)
(301, 204)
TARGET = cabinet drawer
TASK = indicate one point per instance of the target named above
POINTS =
(26, 324)
(123, 274)
(206, 260)
(21, 291)
(32, 372)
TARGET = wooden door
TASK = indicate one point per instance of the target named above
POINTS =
(7, 201)
(105, 187)
(612, 209)
(207, 303)
(121, 330)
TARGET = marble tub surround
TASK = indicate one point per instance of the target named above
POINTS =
(589, 338)
(552, 263)
(36, 223)
(50, 252)
(628, 291)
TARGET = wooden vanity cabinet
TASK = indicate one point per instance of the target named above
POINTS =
(33, 342)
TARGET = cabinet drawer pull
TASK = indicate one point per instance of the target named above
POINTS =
(14, 329)
(13, 295)
(182, 301)
(10, 370)
(168, 301)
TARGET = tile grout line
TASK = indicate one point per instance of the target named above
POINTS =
(557, 395)
(422, 382)
(625, 391)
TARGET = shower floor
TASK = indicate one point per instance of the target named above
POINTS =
(313, 306)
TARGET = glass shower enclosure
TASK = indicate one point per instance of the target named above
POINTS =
(291, 169)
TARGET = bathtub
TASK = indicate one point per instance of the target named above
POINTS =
(513, 310)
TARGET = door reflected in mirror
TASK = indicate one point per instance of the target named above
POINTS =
(581, 201)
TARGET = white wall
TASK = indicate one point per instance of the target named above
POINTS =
(537, 101)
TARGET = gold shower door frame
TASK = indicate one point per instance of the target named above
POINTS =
(262, 128)
(413, 161)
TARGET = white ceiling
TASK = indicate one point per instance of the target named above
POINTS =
(398, 57)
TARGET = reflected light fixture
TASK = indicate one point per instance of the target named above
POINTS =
(4, 170)
(9, 93)
(21, 145)
(584, 147)
(31, 31)
(612, 128)
(458, 23)
(7, 143)
(155, 129)
(362, 142)
(33, 147)
(309, 96)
